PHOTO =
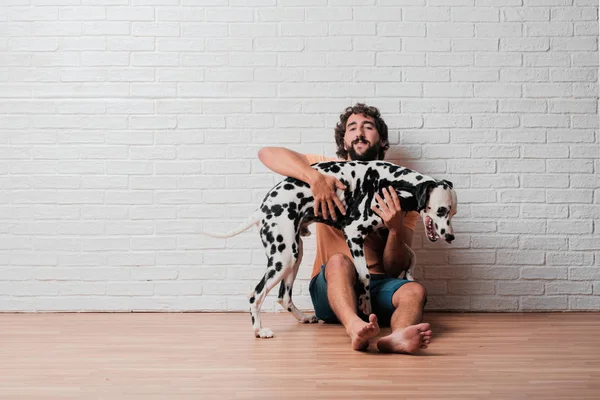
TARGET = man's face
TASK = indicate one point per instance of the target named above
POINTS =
(361, 139)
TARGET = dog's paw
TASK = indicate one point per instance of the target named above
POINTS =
(264, 333)
(309, 320)
(364, 304)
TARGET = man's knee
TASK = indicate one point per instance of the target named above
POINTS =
(340, 266)
(409, 292)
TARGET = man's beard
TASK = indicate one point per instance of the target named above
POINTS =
(371, 154)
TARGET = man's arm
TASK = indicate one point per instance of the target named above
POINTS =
(289, 163)
(395, 256)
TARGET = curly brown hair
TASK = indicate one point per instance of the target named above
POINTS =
(367, 111)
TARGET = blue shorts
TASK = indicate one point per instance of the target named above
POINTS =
(382, 289)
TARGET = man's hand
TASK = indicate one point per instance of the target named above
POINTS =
(389, 209)
(323, 188)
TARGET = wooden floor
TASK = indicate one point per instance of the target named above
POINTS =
(210, 356)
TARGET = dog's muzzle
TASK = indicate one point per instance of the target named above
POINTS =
(449, 238)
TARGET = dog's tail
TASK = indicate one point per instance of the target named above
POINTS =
(253, 220)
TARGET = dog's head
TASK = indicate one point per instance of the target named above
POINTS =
(436, 201)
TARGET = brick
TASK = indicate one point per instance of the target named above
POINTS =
(492, 303)
(565, 287)
(591, 303)
(545, 181)
(527, 303)
(520, 288)
(471, 287)
(543, 272)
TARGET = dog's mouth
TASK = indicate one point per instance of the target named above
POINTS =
(430, 229)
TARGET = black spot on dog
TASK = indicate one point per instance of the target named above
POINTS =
(279, 238)
(271, 274)
(299, 195)
(277, 210)
(281, 247)
(368, 276)
(278, 266)
(281, 290)
(353, 173)
(441, 211)
(261, 285)
(273, 193)
(419, 177)
(252, 300)
(288, 186)
(252, 319)
(297, 182)
(442, 231)
(290, 309)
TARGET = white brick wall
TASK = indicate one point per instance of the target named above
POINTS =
(127, 126)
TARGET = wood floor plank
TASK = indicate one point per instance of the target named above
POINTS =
(215, 355)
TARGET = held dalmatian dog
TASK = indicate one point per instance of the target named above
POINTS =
(287, 210)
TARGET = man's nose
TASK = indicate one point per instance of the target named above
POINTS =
(449, 237)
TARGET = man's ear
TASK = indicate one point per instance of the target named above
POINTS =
(422, 193)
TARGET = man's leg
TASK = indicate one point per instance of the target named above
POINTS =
(340, 275)
(408, 335)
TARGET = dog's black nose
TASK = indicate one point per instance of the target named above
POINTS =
(449, 237)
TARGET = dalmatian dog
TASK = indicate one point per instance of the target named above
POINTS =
(287, 210)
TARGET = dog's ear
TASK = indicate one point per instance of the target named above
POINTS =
(422, 193)
(448, 183)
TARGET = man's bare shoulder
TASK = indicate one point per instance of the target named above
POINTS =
(316, 158)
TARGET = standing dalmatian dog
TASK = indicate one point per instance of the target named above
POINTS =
(287, 210)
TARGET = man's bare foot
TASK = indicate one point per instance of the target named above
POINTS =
(360, 332)
(409, 340)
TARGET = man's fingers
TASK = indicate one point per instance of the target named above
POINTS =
(331, 206)
(340, 185)
(395, 198)
(339, 205)
(380, 200)
(388, 197)
(324, 210)
(376, 210)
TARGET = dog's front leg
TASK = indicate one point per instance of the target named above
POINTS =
(356, 246)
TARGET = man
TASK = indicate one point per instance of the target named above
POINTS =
(361, 134)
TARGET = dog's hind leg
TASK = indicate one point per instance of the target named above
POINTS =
(285, 292)
(279, 266)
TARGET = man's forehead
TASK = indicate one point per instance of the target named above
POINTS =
(359, 118)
